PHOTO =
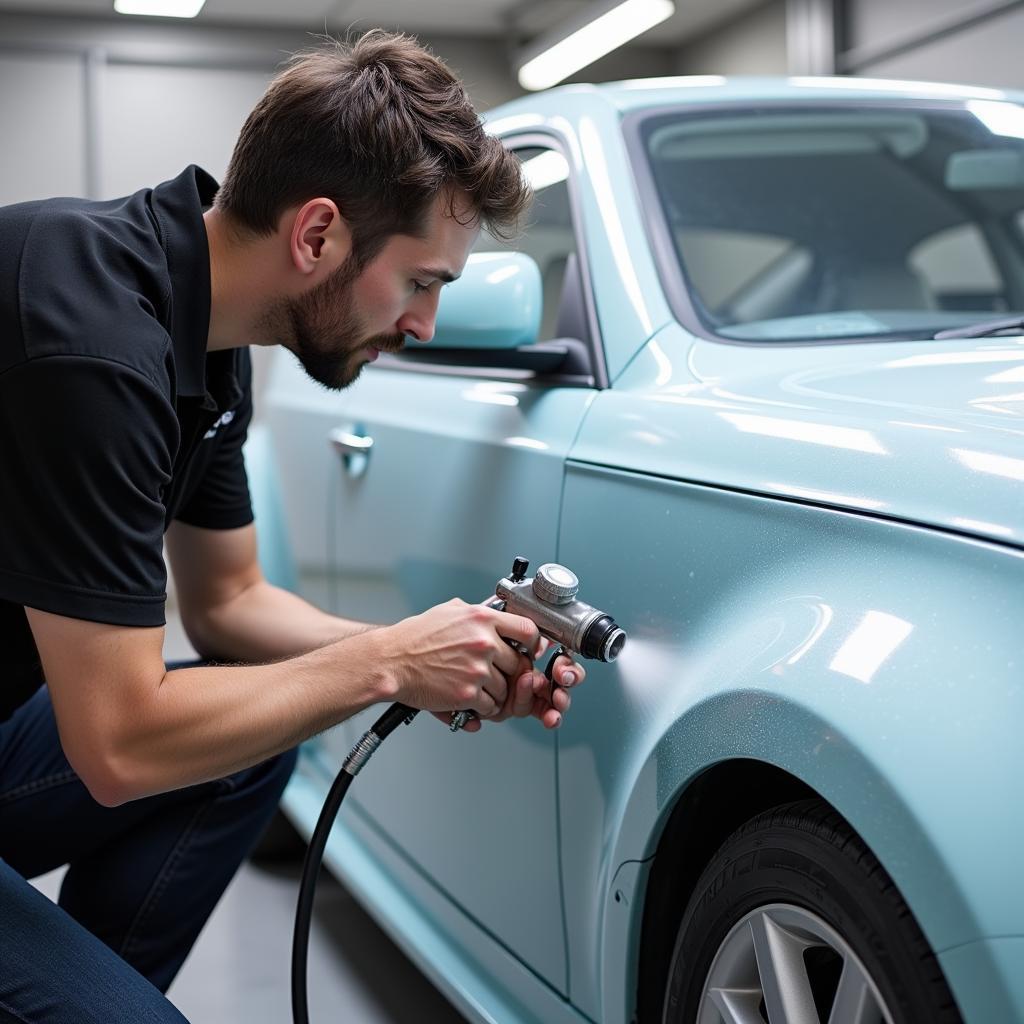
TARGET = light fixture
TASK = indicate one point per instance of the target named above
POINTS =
(160, 8)
(602, 28)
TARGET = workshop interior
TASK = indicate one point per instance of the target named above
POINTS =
(734, 419)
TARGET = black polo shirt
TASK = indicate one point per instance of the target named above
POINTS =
(114, 420)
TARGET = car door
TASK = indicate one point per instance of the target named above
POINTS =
(462, 471)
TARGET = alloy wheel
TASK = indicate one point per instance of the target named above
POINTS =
(782, 964)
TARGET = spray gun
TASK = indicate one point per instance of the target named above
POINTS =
(549, 600)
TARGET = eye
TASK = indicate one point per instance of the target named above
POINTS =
(417, 287)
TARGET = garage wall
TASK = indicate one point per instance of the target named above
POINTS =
(987, 52)
(42, 123)
(752, 44)
(163, 98)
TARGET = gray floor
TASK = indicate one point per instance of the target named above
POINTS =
(238, 972)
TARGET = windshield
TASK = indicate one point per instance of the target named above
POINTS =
(866, 221)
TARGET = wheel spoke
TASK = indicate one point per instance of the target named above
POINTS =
(854, 1002)
(780, 964)
(738, 1005)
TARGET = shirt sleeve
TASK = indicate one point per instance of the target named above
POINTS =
(87, 453)
(220, 499)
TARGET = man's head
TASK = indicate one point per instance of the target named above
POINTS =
(368, 162)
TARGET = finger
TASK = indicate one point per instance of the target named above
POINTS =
(542, 647)
(549, 717)
(522, 695)
(519, 628)
(568, 672)
(497, 686)
(560, 700)
(487, 705)
(508, 660)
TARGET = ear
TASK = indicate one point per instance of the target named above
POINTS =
(320, 239)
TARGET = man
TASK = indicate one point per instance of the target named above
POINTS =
(357, 188)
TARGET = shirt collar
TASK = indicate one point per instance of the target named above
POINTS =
(178, 208)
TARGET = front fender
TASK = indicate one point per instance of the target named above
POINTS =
(871, 660)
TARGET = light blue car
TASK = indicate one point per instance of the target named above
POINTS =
(755, 372)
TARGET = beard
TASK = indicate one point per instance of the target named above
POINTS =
(322, 329)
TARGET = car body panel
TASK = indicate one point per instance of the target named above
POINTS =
(483, 979)
(756, 630)
(988, 978)
(843, 425)
(443, 496)
(621, 267)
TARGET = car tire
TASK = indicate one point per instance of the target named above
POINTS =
(794, 921)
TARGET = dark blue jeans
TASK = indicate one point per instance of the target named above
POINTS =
(141, 882)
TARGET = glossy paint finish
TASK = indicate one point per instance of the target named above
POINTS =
(867, 659)
(817, 551)
(462, 475)
(496, 303)
(620, 264)
(931, 432)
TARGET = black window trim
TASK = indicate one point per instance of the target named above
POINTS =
(426, 361)
(659, 235)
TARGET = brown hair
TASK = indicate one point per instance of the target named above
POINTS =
(380, 126)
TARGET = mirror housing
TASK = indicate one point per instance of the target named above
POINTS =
(495, 304)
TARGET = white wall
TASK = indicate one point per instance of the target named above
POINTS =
(165, 96)
(753, 44)
(198, 112)
(986, 54)
(42, 123)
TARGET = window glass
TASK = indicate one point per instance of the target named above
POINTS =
(858, 221)
(957, 267)
(547, 232)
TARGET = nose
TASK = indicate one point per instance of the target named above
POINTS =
(420, 322)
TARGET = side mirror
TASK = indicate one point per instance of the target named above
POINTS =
(495, 304)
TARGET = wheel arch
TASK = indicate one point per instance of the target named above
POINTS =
(683, 852)
(708, 783)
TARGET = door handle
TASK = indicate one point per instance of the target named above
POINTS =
(347, 442)
(353, 446)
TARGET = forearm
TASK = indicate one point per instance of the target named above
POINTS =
(264, 623)
(205, 723)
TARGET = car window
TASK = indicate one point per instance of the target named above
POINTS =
(547, 233)
(790, 223)
(957, 268)
(743, 274)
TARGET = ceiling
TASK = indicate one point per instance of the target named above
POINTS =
(490, 18)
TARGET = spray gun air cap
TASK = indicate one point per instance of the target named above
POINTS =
(603, 640)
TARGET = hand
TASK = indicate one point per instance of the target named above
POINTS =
(530, 693)
(454, 656)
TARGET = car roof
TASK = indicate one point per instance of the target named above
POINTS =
(642, 93)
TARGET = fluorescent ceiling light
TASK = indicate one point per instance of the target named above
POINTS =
(608, 31)
(160, 8)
